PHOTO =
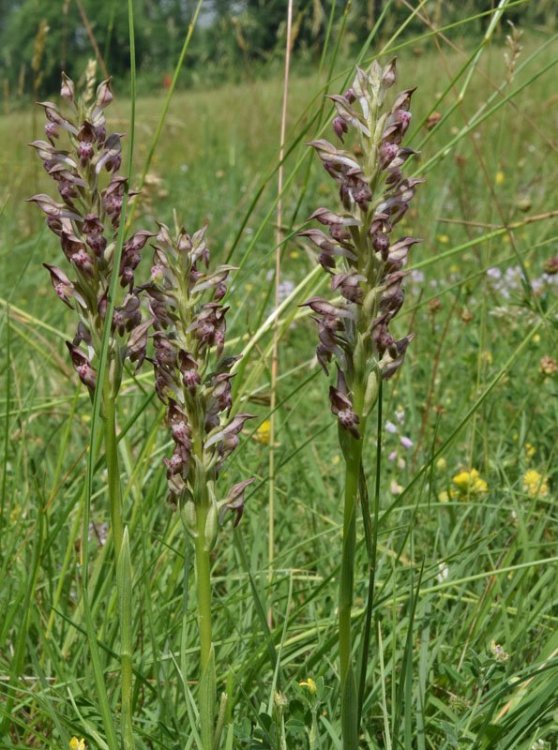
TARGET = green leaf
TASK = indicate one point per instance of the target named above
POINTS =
(349, 712)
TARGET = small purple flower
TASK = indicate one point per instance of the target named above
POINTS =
(342, 407)
(85, 152)
(63, 287)
(82, 366)
(234, 501)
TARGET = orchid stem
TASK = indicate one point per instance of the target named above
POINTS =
(207, 684)
(123, 566)
(352, 449)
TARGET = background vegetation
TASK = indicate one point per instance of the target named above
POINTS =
(234, 40)
(464, 638)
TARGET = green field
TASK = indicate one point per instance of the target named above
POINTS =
(463, 637)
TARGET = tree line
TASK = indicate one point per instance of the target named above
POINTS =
(234, 38)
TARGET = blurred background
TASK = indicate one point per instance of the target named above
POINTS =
(234, 39)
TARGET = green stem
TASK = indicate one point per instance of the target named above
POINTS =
(349, 714)
(113, 471)
(124, 582)
(203, 588)
(122, 563)
(207, 683)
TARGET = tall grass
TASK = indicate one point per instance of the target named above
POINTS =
(463, 648)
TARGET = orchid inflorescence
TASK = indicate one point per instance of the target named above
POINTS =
(375, 195)
(192, 377)
(87, 221)
(185, 320)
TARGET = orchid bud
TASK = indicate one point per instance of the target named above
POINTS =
(340, 127)
(349, 286)
(82, 334)
(189, 369)
(102, 304)
(389, 74)
(100, 134)
(51, 130)
(67, 90)
(104, 94)
(97, 243)
(137, 342)
(380, 243)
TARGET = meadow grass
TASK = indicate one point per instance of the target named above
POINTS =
(464, 641)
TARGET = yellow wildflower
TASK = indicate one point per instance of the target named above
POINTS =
(294, 254)
(310, 685)
(263, 433)
(76, 744)
(535, 484)
(443, 239)
(470, 482)
(500, 177)
(446, 495)
(530, 450)
(441, 464)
